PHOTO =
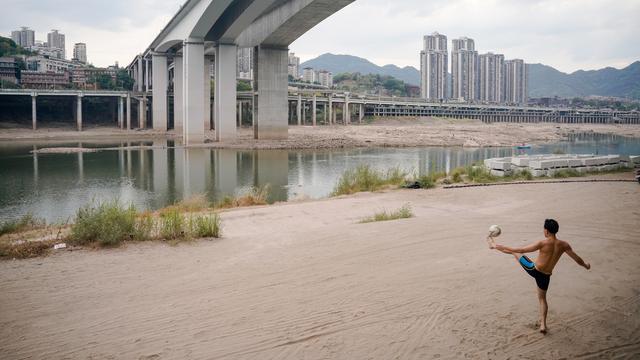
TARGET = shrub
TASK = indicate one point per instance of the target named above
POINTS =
(479, 174)
(566, 173)
(25, 249)
(107, 223)
(194, 203)
(172, 225)
(255, 196)
(403, 213)
(26, 222)
(207, 226)
(143, 228)
(364, 178)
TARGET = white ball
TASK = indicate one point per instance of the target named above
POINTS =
(495, 231)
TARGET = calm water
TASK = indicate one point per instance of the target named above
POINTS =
(53, 186)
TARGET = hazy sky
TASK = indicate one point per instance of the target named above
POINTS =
(566, 34)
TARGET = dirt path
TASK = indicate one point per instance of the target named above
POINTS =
(305, 281)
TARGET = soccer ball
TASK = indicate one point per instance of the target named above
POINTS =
(494, 231)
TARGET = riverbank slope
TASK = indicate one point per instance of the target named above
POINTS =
(305, 280)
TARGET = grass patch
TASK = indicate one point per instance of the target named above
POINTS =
(194, 203)
(255, 196)
(25, 249)
(403, 213)
(25, 223)
(172, 225)
(566, 173)
(107, 224)
(364, 178)
(206, 226)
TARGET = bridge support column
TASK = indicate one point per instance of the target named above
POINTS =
(121, 112)
(208, 113)
(142, 113)
(79, 112)
(271, 82)
(34, 111)
(178, 95)
(193, 100)
(331, 113)
(324, 112)
(160, 83)
(314, 110)
(346, 114)
(140, 75)
(361, 114)
(299, 110)
(225, 98)
(128, 112)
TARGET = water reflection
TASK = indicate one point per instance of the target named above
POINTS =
(154, 174)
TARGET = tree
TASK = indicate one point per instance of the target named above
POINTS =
(103, 81)
(123, 80)
(244, 85)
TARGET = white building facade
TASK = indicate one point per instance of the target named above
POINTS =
(80, 52)
(434, 66)
(464, 70)
(491, 78)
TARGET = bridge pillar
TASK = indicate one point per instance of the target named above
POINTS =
(121, 112)
(361, 114)
(140, 75)
(331, 114)
(314, 110)
(225, 92)
(34, 112)
(299, 110)
(79, 112)
(346, 114)
(178, 94)
(193, 67)
(142, 113)
(128, 111)
(160, 83)
(207, 123)
(271, 82)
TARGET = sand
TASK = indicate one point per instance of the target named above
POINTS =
(394, 132)
(305, 281)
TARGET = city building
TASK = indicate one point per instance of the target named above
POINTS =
(80, 52)
(245, 64)
(491, 78)
(309, 75)
(515, 88)
(83, 76)
(56, 40)
(294, 66)
(24, 37)
(325, 78)
(48, 64)
(9, 70)
(434, 66)
(43, 49)
(44, 80)
(464, 70)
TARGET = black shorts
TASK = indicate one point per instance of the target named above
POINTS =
(542, 279)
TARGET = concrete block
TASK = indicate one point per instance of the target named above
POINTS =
(500, 173)
(582, 169)
(613, 159)
(572, 163)
(500, 165)
(560, 164)
(635, 159)
(538, 173)
(520, 161)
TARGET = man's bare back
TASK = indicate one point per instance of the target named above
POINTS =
(550, 250)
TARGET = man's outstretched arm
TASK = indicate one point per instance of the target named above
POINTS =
(577, 258)
(523, 250)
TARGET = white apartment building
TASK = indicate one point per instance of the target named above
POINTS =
(464, 70)
(491, 78)
(294, 66)
(309, 75)
(515, 88)
(434, 66)
(80, 52)
(325, 78)
(24, 37)
(56, 40)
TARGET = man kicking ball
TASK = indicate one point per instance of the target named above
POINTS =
(551, 249)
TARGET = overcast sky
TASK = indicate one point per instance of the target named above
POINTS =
(566, 34)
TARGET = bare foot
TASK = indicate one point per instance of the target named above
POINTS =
(491, 242)
(543, 330)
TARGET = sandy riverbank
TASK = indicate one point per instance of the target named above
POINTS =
(411, 132)
(305, 281)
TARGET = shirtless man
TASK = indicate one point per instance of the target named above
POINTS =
(551, 249)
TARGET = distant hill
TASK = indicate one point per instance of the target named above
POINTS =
(544, 81)
(352, 64)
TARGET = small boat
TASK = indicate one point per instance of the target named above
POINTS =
(522, 146)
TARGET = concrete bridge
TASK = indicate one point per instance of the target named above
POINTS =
(206, 32)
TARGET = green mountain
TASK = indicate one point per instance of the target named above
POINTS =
(338, 64)
(544, 81)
